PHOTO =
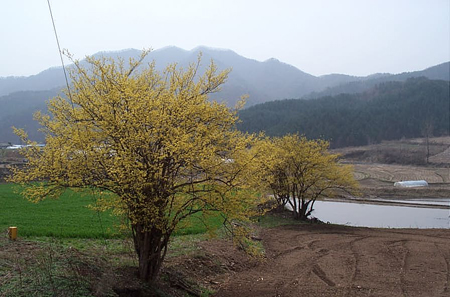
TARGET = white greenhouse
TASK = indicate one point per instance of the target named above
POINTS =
(411, 184)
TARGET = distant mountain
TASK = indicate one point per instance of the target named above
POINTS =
(17, 110)
(262, 81)
(391, 110)
(46, 80)
(347, 85)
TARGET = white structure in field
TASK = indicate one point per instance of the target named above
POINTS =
(411, 184)
(19, 146)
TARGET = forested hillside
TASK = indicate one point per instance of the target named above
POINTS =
(17, 110)
(390, 110)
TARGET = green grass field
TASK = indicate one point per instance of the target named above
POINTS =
(69, 217)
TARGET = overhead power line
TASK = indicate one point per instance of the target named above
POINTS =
(60, 52)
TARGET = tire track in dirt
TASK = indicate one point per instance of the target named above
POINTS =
(313, 267)
(317, 266)
(323, 276)
(445, 290)
(403, 268)
(441, 176)
(356, 262)
(288, 251)
(420, 264)
(306, 269)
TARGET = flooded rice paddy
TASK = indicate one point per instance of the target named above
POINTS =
(386, 213)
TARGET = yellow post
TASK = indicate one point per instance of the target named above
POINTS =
(12, 231)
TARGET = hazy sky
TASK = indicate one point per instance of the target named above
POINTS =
(356, 37)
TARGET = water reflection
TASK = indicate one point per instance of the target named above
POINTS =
(382, 216)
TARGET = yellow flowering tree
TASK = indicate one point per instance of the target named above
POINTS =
(151, 144)
(298, 171)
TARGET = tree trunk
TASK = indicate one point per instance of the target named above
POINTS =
(302, 209)
(151, 248)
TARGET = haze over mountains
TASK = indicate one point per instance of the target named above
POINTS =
(262, 81)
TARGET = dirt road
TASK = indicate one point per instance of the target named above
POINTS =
(328, 260)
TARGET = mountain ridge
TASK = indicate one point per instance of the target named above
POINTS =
(436, 72)
(264, 81)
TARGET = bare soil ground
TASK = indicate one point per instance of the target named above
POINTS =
(378, 167)
(377, 180)
(387, 173)
(327, 260)
(405, 152)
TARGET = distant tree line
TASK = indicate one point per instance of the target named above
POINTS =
(391, 110)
